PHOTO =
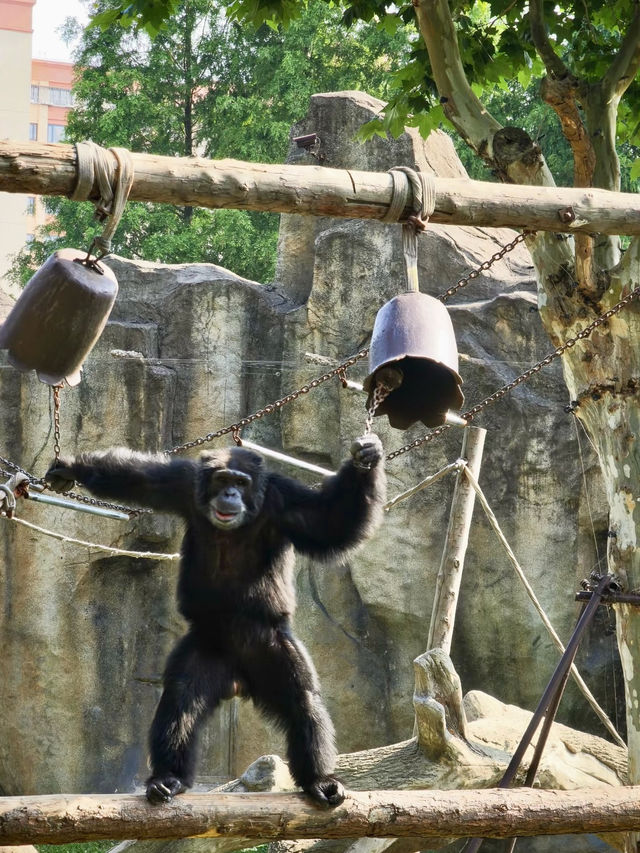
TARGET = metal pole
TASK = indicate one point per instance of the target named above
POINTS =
(553, 688)
(289, 460)
(78, 507)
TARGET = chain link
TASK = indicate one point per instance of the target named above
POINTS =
(380, 393)
(16, 467)
(89, 501)
(56, 421)
(506, 389)
(485, 265)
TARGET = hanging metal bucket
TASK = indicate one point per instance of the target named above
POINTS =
(59, 317)
(413, 350)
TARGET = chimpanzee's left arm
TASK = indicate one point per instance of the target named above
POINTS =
(343, 512)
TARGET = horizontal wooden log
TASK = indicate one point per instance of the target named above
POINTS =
(40, 169)
(491, 813)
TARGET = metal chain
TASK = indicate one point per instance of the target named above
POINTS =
(237, 427)
(380, 393)
(506, 389)
(339, 371)
(16, 467)
(56, 421)
(89, 501)
(485, 265)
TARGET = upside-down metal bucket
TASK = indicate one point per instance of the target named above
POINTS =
(59, 317)
(413, 350)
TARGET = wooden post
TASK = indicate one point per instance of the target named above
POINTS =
(449, 577)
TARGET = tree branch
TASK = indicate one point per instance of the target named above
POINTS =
(523, 163)
(626, 62)
(552, 61)
(461, 106)
(561, 95)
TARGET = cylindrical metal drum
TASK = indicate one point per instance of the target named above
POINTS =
(413, 336)
(59, 316)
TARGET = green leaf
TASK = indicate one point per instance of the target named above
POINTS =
(105, 19)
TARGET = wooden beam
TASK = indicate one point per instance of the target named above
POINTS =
(492, 813)
(38, 169)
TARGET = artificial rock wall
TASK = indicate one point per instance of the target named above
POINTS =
(192, 348)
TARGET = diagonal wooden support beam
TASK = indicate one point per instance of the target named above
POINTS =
(489, 813)
(39, 169)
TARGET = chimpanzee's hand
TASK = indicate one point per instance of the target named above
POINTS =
(366, 451)
(60, 477)
(327, 791)
(162, 789)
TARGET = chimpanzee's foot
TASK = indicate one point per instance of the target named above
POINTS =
(327, 791)
(162, 789)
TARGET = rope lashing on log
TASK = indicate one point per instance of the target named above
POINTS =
(413, 190)
(94, 166)
(37, 169)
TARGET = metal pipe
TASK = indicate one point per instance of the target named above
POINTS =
(289, 460)
(79, 507)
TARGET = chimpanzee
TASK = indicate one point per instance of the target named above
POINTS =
(236, 591)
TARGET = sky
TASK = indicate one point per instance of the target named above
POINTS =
(48, 15)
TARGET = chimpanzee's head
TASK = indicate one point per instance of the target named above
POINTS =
(230, 487)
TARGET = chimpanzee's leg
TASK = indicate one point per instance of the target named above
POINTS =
(281, 679)
(194, 683)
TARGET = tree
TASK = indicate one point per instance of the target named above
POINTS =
(204, 85)
(585, 57)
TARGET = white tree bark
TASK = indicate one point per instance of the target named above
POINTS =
(576, 281)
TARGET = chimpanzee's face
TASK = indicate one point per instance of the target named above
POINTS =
(227, 498)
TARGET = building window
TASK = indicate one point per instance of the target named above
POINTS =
(55, 132)
(31, 205)
(33, 131)
(60, 97)
(29, 239)
(35, 94)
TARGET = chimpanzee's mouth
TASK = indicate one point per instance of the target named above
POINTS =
(225, 516)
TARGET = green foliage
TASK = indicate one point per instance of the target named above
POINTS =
(243, 241)
(206, 85)
(86, 847)
(228, 79)
(150, 14)
(495, 43)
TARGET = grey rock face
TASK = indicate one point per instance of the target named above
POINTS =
(193, 348)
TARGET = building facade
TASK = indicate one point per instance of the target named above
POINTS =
(34, 103)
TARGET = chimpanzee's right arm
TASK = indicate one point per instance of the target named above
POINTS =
(151, 480)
